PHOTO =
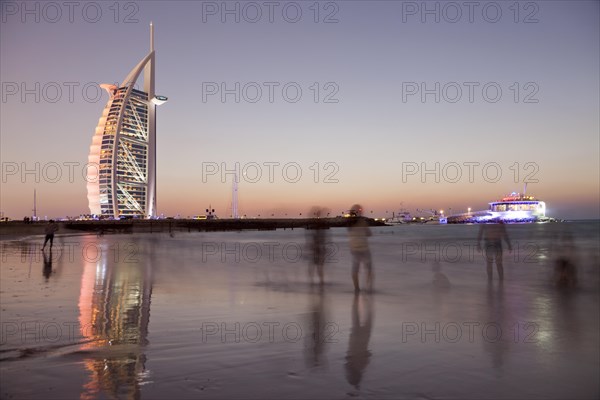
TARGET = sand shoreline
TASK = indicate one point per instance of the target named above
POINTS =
(227, 314)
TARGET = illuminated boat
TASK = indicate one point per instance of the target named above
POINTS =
(515, 207)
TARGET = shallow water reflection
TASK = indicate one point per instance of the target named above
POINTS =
(114, 312)
(203, 315)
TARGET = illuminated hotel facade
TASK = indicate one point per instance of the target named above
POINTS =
(122, 160)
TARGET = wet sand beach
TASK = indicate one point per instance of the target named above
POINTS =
(234, 315)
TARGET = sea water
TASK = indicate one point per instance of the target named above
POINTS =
(237, 315)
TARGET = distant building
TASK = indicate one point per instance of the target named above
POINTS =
(122, 160)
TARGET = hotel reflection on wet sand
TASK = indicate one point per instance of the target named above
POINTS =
(114, 310)
(219, 316)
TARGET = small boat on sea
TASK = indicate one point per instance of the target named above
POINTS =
(403, 217)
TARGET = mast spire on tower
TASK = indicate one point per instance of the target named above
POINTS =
(151, 36)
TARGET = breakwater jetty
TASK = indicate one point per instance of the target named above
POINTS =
(14, 229)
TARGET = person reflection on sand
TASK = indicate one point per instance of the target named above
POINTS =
(47, 271)
(358, 233)
(497, 318)
(492, 235)
(319, 331)
(359, 355)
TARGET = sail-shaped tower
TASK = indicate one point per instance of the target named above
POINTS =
(122, 160)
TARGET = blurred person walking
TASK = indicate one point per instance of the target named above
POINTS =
(358, 233)
(316, 238)
(50, 229)
(492, 235)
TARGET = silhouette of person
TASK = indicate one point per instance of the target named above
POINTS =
(316, 243)
(358, 233)
(359, 355)
(565, 270)
(492, 235)
(50, 229)
(565, 274)
(47, 271)
(440, 280)
(440, 289)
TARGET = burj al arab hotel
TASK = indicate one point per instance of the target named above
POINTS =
(122, 161)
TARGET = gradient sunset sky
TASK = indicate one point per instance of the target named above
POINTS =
(357, 132)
